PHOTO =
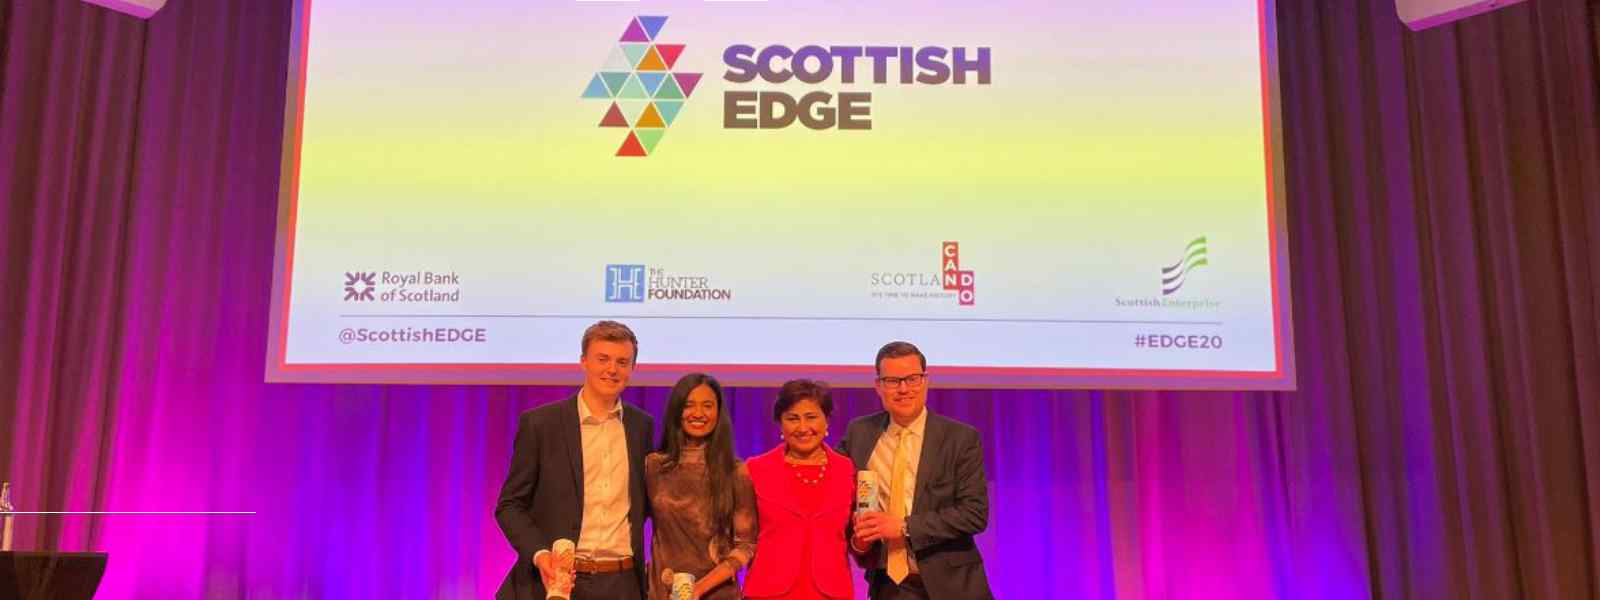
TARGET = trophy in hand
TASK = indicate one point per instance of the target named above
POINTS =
(563, 560)
(6, 509)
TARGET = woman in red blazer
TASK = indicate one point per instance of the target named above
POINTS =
(804, 495)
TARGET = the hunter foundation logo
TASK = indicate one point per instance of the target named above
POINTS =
(638, 283)
(646, 94)
(407, 286)
(624, 283)
(949, 281)
(1173, 278)
(1194, 257)
(358, 287)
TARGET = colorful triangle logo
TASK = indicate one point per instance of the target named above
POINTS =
(596, 88)
(652, 25)
(670, 53)
(634, 32)
(645, 95)
(652, 81)
(650, 118)
(614, 81)
(632, 109)
(634, 53)
(649, 138)
(652, 61)
(613, 118)
(686, 82)
(669, 110)
(631, 146)
(616, 61)
(669, 90)
(632, 89)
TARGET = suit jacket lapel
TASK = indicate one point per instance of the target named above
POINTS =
(767, 468)
(927, 463)
(572, 430)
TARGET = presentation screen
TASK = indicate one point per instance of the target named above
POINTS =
(1038, 193)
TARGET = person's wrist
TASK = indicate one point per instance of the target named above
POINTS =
(855, 546)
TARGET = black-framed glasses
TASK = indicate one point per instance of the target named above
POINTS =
(912, 380)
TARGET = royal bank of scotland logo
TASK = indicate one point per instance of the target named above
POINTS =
(638, 81)
(625, 283)
(1194, 257)
(358, 286)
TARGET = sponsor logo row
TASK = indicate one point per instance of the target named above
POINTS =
(634, 283)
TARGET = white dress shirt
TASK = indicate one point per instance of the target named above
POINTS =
(606, 532)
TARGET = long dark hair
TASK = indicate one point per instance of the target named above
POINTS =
(720, 462)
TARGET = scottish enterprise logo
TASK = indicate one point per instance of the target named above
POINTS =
(1194, 257)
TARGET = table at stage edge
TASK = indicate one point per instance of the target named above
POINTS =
(31, 575)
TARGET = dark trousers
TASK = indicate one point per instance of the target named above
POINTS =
(622, 585)
(883, 588)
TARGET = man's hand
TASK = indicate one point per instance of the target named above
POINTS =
(876, 527)
(547, 572)
(857, 542)
(553, 570)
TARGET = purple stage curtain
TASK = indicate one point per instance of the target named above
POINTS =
(1444, 192)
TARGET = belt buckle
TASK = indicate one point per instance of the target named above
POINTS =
(600, 566)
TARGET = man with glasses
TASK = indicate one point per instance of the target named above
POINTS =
(931, 487)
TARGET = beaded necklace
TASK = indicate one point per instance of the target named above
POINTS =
(798, 474)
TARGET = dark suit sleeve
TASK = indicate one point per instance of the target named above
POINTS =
(968, 515)
(516, 495)
(649, 446)
(649, 433)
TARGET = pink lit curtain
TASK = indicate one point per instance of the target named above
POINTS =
(1444, 227)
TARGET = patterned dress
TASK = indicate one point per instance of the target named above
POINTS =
(681, 538)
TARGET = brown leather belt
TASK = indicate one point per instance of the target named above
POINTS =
(598, 566)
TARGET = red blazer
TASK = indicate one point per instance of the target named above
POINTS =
(785, 530)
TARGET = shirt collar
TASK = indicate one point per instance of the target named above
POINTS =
(587, 416)
(917, 427)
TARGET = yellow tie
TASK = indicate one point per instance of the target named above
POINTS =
(899, 567)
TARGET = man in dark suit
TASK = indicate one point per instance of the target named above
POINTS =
(577, 473)
(932, 489)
